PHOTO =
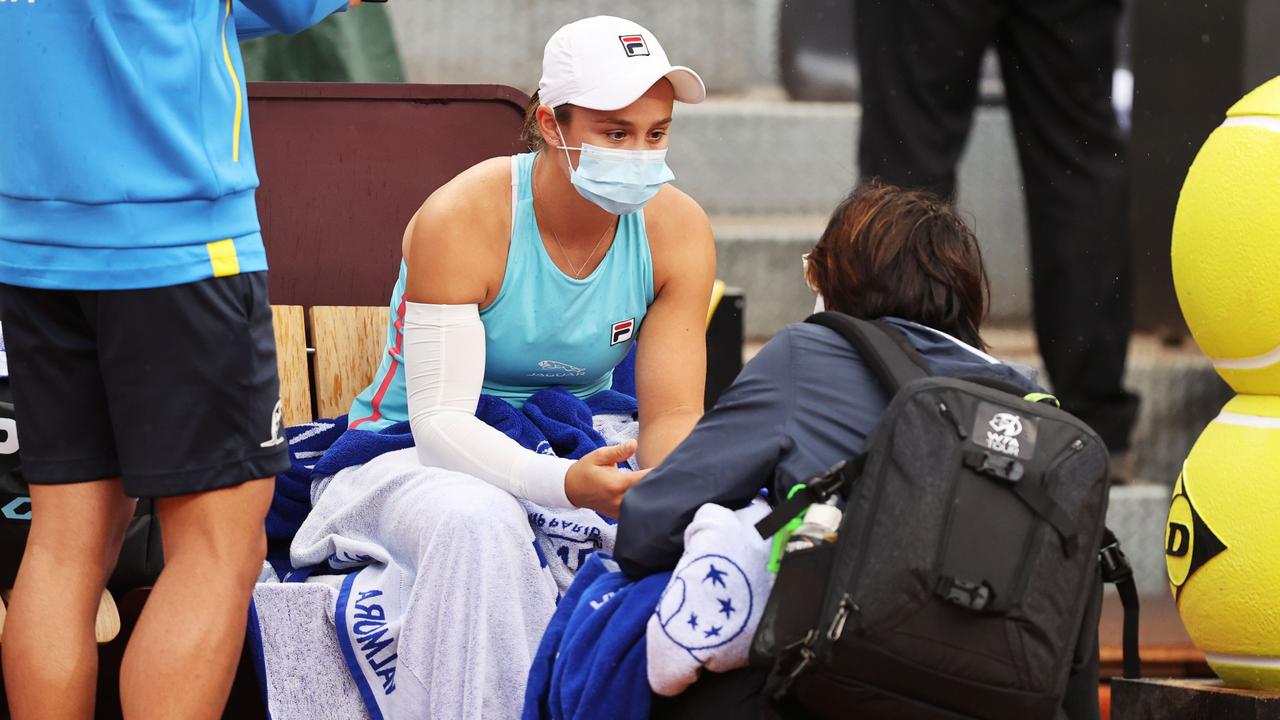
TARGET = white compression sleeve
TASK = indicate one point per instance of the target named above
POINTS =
(444, 370)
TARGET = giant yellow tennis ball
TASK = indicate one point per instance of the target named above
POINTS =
(1222, 542)
(1226, 244)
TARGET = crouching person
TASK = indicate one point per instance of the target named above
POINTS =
(808, 400)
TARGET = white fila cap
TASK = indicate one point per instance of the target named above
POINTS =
(607, 63)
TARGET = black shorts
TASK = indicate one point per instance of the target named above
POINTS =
(172, 388)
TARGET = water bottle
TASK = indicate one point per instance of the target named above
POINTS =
(821, 521)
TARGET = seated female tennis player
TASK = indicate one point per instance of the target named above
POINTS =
(522, 273)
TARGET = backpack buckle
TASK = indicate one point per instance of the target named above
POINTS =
(1115, 565)
(828, 483)
(1001, 467)
(976, 596)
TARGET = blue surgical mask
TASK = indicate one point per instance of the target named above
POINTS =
(619, 181)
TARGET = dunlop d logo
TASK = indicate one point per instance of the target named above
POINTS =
(1188, 541)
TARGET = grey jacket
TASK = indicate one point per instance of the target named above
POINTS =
(804, 403)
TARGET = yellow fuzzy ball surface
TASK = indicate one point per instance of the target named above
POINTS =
(1222, 543)
(1226, 244)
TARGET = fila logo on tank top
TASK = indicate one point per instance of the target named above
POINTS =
(622, 332)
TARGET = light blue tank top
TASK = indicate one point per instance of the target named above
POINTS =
(544, 328)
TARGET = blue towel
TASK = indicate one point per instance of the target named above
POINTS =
(357, 447)
(553, 421)
(624, 375)
(292, 499)
(591, 662)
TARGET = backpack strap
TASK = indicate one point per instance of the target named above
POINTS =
(814, 490)
(891, 357)
(1117, 571)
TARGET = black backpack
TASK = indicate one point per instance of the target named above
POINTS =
(141, 556)
(965, 578)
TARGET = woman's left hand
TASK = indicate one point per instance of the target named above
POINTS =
(595, 482)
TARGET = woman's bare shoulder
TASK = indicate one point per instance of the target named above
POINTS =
(477, 201)
(476, 190)
(678, 227)
(455, 245)
(674, 216)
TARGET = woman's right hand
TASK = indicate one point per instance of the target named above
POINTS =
(595, 482)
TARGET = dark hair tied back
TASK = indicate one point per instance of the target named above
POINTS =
(530, 133)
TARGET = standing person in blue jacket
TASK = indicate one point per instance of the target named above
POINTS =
(808, 400)
(134, 295)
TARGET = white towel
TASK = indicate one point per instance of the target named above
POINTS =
(714, 600)
(566, 538)
(445, 615)
(299, 682)
(454, 591)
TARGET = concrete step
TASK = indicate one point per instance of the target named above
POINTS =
(731, 43)
(1137, 515)
(765, 155)
(770, 172)
(761, 255)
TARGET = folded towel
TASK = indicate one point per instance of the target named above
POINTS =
(712, 606)
(357, 447)
(591, 661)
(450, 581)
(555, 421)
(444, 598)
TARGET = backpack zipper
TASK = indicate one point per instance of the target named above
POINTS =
(945, 411)
(854, 573)
(847, 605)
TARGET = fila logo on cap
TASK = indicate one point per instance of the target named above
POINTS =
(621, 331)
(634, 45)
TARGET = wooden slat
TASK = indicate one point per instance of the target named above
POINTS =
(291, 359)
(349, 343)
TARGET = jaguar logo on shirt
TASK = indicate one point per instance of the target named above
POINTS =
(557, 369)
(621, 332)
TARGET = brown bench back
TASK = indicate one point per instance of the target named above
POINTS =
(345, 165)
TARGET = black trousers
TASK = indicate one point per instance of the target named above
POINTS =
(920, 62)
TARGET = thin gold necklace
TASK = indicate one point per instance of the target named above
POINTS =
(577, 275)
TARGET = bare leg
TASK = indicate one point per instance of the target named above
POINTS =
(182, 658)
(50, 657)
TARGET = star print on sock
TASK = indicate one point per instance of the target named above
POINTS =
(716, 576)
(693, 621)
(726, 607)
(713, 632)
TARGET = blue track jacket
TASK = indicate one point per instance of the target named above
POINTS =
(125, 155)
